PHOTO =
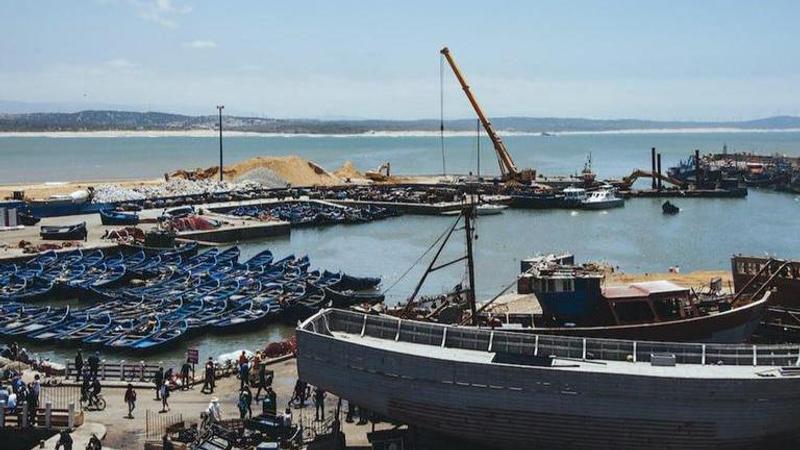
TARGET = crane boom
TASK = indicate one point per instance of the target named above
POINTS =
(508, 169)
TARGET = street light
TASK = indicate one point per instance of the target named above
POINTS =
(219, 107)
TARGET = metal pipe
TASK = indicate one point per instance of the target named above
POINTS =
(658, 162)
(653, 166)
(697, 177)
(220, 107)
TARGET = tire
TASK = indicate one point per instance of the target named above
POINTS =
(101, 404)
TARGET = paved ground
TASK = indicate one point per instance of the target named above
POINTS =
(124, 433)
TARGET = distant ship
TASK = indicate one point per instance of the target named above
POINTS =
(507, 390)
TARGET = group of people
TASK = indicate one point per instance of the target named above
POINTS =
(18, 393)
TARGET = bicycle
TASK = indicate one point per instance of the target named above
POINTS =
(93, 404)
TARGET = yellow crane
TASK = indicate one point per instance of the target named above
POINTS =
(508, 170)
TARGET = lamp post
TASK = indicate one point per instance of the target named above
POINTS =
(220, 107)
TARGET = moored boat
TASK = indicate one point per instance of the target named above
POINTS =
(603, 198)
(121, 218)
(75, 232)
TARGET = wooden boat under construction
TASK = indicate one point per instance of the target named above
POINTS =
(510, 390)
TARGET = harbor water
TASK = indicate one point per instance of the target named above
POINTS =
(636, 238)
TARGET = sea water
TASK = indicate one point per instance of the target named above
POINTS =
(635, 238)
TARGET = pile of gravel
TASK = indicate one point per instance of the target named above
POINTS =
(110, 193)
(265, 177)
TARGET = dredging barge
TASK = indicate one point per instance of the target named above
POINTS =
(508, 390)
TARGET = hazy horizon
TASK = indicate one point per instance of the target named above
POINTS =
(680, 61)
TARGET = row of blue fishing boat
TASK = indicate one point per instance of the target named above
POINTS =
(144, 302)
(314, 213)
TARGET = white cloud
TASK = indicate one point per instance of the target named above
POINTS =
(162, 12)
(121, 63)
(200, 44)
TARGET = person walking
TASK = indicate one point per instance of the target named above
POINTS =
(214, 411)
(262, 379)
(164, 398)
(64, 440)
(36, 387)
(94, 364)
(78, 365)
(158, 380)
(244, 375)
(185, 375)
(242, 404)
(319, 404)
(249, 399)
(130, 399)
(33, 404)
(208, 379)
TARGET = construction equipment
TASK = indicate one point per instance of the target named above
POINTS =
(628, 181)
(508, 170)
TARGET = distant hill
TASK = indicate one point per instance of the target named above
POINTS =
(156, 121)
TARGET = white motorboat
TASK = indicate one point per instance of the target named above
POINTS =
(603, 198)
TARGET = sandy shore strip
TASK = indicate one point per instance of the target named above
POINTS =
(368, 134)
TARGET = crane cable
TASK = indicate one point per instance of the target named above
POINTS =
(441, 109)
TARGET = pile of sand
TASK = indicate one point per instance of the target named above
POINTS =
(348, 170)
(292, 169)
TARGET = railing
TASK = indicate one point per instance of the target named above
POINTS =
(390, 328)
(120, 370)
(156, 424)
(48, 417)
(60, 396)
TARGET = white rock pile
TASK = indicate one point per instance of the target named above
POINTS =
(109, 193)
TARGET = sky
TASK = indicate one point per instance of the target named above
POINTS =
(675, 60)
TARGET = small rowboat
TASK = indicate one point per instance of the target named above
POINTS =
(109, 217)
(29, 290)
(166, 335)
(93, 325)
(52, 318)
(344, 299)
(22, 318)
(349, 282)
(246, 317)
(75, 232)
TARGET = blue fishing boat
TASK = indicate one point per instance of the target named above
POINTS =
(28, 290)
(167, 335)
(245, 317)
(73, 322)
(260, 260)
(145, 328)
(21, 318)
(110, 217)
(45, 259)
(50, 318)
(117, 328)
(76, 334)
(211, 311)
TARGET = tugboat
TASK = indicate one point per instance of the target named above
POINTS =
(669, 208)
